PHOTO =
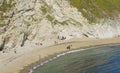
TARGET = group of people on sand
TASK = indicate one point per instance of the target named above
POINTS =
(61, 37)
(4, 51)
(39, 44)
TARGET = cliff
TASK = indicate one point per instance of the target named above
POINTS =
(44, 22)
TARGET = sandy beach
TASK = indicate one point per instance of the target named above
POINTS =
(15, 62)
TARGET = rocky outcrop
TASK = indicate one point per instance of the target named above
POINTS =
(2, 45)
(41, 21)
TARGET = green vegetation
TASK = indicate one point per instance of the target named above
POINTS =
(13, 27)
(1, 25)
(44, 10)
(62, 23)
(26, 23)
(93, 9)
(6, 5)
(50, 18)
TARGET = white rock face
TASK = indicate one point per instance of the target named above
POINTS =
(43, 21)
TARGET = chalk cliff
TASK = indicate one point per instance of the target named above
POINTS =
(31, 22)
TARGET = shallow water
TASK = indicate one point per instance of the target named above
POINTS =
(104, 59)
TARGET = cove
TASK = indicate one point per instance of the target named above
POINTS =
(104, 59)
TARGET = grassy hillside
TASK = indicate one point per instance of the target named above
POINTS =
(6, 6)
(93, 9)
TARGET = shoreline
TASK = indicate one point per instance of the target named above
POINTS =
(65, 53)
(22, 64)
(31, 66)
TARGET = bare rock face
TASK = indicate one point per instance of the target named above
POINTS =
(29, 22)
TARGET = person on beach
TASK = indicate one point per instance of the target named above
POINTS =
(3, 51)
(55, 42)
(15, 51)
(69, 47)
(38, 44)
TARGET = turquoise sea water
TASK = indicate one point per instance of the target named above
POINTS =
(104, 59)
